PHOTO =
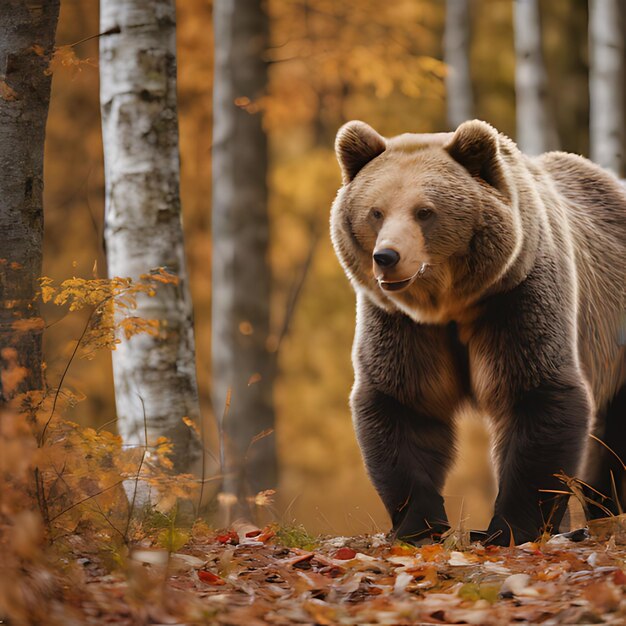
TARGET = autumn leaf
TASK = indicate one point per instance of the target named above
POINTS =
(133, 325)
(264, 498)
(255, 378)
(210, 578)
(245, 328)
(344, 554)
(228, 537)
(266, 535)
(29, 324)
(65, 57)
(192, 425)
(172, 539)
(7, 92)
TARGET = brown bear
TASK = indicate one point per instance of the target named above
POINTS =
(487, 276)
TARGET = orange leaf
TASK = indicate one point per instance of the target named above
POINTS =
(210, 578)
(255, 378)
(191, 424)
(26, 325)
(6, 92)
(266, 535)
(430, 553)
(402, 550)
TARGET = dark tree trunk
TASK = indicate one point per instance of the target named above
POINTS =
(241, 277)
(27, 31)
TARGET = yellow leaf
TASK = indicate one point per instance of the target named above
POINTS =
(27, 325)
(191, 424)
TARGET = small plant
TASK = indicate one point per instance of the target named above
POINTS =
(82, 475)
(295, 536)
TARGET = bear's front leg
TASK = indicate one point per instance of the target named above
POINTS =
(543, 435)
(407, 456)
(526, 375)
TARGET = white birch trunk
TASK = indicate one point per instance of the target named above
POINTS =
(460, 100)
(155, 378)
(240, 233)
(536, 132)
(606, 83)
(24, 99)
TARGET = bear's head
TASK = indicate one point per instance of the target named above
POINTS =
(425, 223)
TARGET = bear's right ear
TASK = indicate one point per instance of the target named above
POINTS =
(475, 146)
(356, 145)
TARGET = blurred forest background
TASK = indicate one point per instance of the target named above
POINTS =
(329, 61)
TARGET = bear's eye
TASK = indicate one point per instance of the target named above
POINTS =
(377, 214)
(424, 214)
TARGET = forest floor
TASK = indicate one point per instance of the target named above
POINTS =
(283, 576)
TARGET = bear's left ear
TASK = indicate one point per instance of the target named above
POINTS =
(356, 145)
(475, 146)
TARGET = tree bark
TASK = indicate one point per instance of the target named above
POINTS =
(27, 31)
(606, 83)
(240, 232)
(155, 378)
(536, 132)
(460, 100)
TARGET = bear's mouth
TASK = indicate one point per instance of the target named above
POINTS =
(395, 285)
(399, 285)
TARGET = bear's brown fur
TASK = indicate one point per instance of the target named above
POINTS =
(485, 275)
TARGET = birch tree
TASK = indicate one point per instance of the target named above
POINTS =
(535, 127)
(240, 232)
(459, 100)
(606, 83)
(27, 31)
(155, 378)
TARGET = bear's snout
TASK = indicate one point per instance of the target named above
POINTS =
(386, 258)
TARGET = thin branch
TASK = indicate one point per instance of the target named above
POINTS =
(203, 470)
(75, 504)
(131, 507)
(112, 31)
(99, 429)
(60, 385)
(616, 495)
(609, 449)
(41, 498)
(297, 290)
(109, 522)
(229, 392)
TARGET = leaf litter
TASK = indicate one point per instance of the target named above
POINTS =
(251, 578)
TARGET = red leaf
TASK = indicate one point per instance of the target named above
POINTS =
(229, 537)
(253, 533)
(267, 534)
(210, 578)
(619, 577)
(344, 554)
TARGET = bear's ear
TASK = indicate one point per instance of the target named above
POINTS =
(475, 146)
(356, 145)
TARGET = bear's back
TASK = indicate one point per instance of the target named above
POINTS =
(595, 205)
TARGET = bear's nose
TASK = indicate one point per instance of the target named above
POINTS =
(386, 257)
